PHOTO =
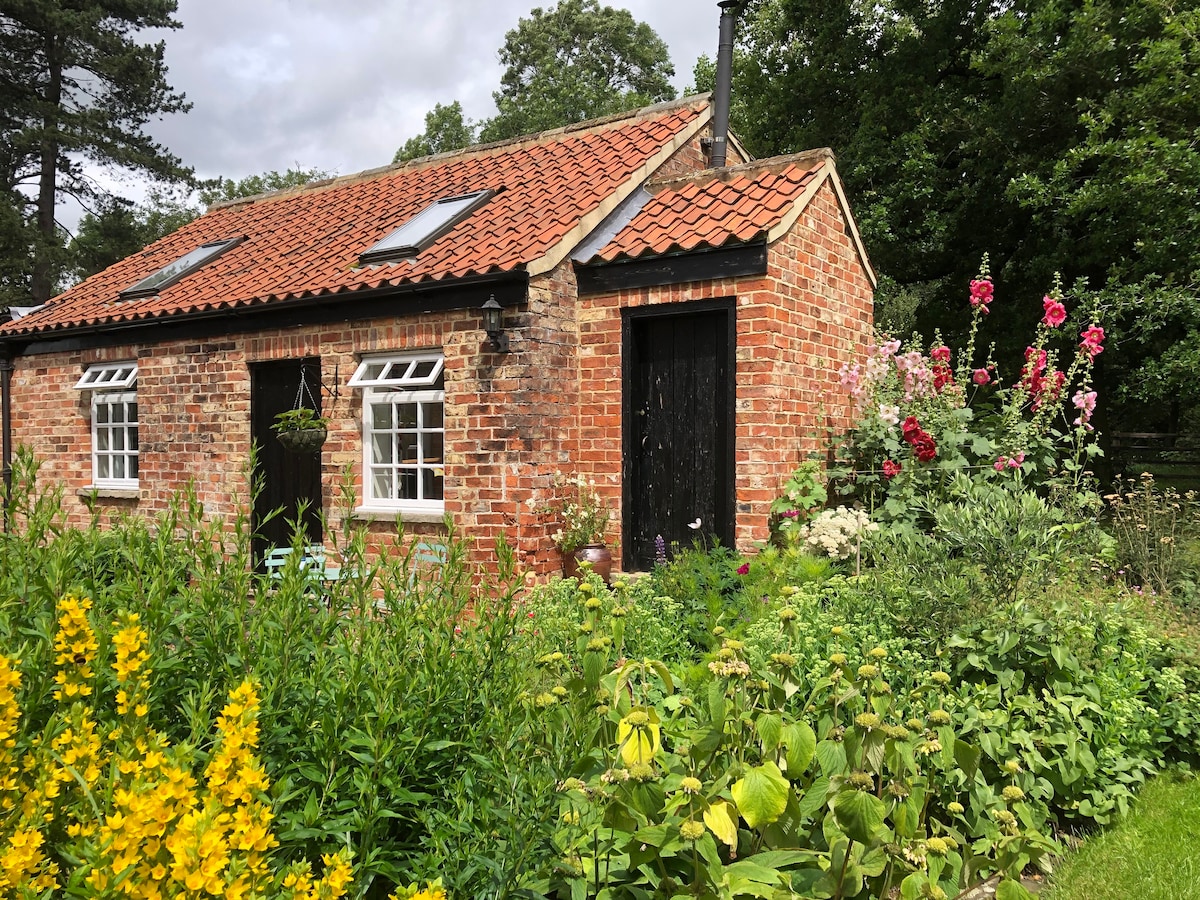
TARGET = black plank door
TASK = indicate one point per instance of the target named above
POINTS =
(678, 427)
(288, 479)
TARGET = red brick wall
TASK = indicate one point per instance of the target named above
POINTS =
(194, 416)
(795, 327)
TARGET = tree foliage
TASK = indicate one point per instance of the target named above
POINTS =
(1053, 135)
(221, 190)
(576, 61)
(445, 130)
(77, 87)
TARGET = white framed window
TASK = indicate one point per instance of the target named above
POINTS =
(114, 423)
(404, 398)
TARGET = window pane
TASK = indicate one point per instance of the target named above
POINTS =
(423, 369)
(118, 438)
(117, 411)
(382, 449)
(101, 412)
(408, 484)
(406, 415)
(118, 467)
(431, 415)
(133, 467)
(381, 415)
(432, 482)
(132, 412)
(102, 439)
(408, 447)
(133, 438)
(432, 444)
(381, 485)
(102, 467)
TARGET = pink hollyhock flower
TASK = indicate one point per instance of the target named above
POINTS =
(1056, 313)
(940, 354)
(1000, 463)
(891, 469)
(981, 293)
(744, 569)
(1086, 404)
(889, 348)
(1015, 462)
(790, 514)
(1092, 336)
(981, 377)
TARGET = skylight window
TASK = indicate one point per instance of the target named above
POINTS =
(425, 227)
(169, 274)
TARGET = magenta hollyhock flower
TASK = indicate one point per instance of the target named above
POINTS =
(744, 569)
(1093, 336)
(1055, 312)
(981, 377)
(891, 469)
(940, 354)
(1000, 463)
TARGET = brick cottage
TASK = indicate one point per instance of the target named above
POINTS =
(671, 330)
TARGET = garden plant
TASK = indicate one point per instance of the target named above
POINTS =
(951, 655)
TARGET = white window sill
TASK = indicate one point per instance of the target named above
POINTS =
(375, 514)
(110, 493)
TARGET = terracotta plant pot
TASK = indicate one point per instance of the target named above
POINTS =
(597, 554)
(305, 440)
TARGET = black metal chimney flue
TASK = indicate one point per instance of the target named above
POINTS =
(724, 84)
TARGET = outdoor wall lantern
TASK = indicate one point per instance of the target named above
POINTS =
(493, 324)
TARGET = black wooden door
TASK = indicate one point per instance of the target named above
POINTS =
(678, 412)
(288, 479)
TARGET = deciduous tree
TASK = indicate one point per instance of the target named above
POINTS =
(576, 61)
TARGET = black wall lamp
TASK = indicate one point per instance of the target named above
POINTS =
(493, 324)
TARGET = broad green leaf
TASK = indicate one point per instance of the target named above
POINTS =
(832, 757)
(721, 819)
(801, 743)
(761, 796)
(967, 758)
(1009, 889)
(859, 814)
(661, 670)
(769, 728)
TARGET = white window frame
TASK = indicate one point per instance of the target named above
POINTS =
(395, 379)
(113, 386)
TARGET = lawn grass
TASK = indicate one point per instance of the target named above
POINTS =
(1154, 854)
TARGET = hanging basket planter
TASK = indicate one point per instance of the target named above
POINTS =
(304, 440)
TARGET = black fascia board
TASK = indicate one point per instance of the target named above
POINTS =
(510, 289)
(708, 264)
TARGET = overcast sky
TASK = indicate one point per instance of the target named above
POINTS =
(339, 85)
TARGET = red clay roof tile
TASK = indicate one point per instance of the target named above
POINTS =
(715, 207)
(307, 242)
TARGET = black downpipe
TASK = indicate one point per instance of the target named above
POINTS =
(6, 370)
(724, 85)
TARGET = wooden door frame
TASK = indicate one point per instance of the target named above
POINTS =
(632, 315)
